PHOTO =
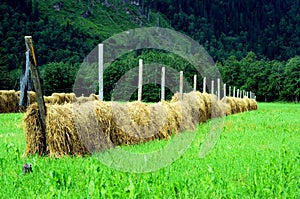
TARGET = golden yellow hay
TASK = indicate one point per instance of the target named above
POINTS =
(218, 109)
(32, 97)
(35, 143)
(2, 104)
(88, 125)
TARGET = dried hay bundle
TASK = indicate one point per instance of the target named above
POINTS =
(169, 119)
(48, 100)
(247, 103)
(83, 99)
(32, 97)
(61, 135)
(70, 97)
(2, 104)
(239, 105)
(58, 98)
(233, 103)
(35, 142)
(189, 107)
(126, 130)
(11, 101)
(208, 104)
(218, 109)
(253, 104)
(227, 102)
(204, 104)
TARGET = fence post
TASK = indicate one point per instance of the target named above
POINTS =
(163, 70)
(224, 91)
(100, 65)
(237, 93)
(181, 85)
(212, 86)
(204, 85)
(219, 88)
(195, 83)
(229, 91)
(140, 86)
(233, 91)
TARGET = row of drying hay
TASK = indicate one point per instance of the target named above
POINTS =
(83, 127)
(9, 100)
(238, 105)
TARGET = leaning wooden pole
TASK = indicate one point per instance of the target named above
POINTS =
(38, 90)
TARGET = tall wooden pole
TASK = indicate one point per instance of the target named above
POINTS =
(163, 76)
(224, 88)
(181, 85)
(212, 86)
(229, 91)
(233, 92)
(195, 83)
(38, 89)
(219, 88)
(204, 85)
(140, 86)
(100, 65)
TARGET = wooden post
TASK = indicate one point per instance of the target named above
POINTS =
(238, 93)
(233, 92)
(163, 72)
(224, 90)
(212, 86)
(250, 95)
(181, 85)
(229, 91)
(38, 89)
(204, 85)
(140, 86)
(195, 83)
(100, 65)
(219, 88)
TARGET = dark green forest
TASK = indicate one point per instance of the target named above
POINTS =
(255, 44)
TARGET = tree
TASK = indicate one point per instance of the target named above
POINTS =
(4, 77)
(292, 80)
(58, 77)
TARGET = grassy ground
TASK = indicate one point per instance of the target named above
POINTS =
(257, 156)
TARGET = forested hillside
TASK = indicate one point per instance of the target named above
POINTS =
(234, 27)
(256, 44)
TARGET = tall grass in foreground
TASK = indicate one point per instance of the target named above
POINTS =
(257, 156)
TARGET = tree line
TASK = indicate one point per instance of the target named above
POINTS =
(269, 80)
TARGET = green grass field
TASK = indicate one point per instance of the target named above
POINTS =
(257, 156)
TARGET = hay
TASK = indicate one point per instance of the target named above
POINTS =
(218, 109)
(228, 105)
(32, 97)
(35, 143)
(89, 125)
(9, 101)
(2, 104)
(253, 104)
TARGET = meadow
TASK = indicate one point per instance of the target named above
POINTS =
(257, 156)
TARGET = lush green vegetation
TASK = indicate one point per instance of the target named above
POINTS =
(257, 156)
(255, 44)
